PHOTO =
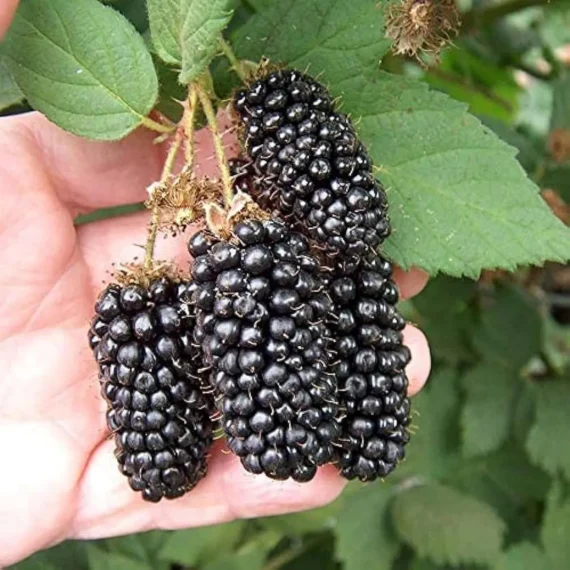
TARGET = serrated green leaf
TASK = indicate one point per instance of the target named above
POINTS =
(510, 331)
(561, 103)
(556, 529)
(315, 552)
(83, 65)
(99, 559)
(446, 526)
(364, 536)
(445, 318)
(459, 201)
(435, 441)
(186, 32)
(341, 40)
(547, 445)
(10, 93)
(487, 411)
(523, 556)
(197, 546)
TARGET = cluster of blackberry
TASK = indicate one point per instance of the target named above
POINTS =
(286, 332)
(304, 162)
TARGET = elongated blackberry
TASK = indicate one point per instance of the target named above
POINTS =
(370, 370)
(142, 341)
(309, 165)
(261, 312)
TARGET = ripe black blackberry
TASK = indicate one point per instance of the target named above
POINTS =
(370, 369)
(309, 165)
(142, 341)
(261, 312)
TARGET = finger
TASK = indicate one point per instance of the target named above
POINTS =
(106, 505)
(420, 365)
(7, 11)
(88, 175)
(410, 282)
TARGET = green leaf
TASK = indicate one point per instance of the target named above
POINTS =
(251, 556)
(510, 331)
(197, 546)
(186, 32)
(523, 556)
(487, 411)
(445, 318)
(547, 445)
(364, 536)
(10, 93)
(556, 529)
(459, 201)
(446, 526)
(99, 559)
(68, 554)
(341, 40)
(83, 65)
(143, 547)
(433, 446)
(308, 521)
(561, 103)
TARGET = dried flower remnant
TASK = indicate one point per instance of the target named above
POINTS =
(421, 26)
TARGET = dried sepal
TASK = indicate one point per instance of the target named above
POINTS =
(244, 208)
(181, 201)
(135, 273)
(421, 26)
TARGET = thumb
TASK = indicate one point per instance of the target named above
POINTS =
(7, 10)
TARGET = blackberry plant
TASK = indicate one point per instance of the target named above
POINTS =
(333, 128)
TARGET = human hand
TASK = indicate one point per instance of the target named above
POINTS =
(59, 478)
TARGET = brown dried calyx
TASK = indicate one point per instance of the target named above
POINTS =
(135, 273)
(181, 200)
(221, 222)
(421, 26)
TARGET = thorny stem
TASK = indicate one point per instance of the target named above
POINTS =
(154, 219)
(231, 57)
(189, 126)
(206, 104)
(155, 126)
(480, 17)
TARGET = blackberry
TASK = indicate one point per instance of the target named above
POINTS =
(308, 164)
(370, 369)
(142, 341)
(261, 311)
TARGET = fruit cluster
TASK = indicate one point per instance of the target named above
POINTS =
(285, 335)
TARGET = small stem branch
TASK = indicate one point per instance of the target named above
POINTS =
(154, 218)
(189, 126)
(158, 127)
(231, 57)
(481, 17)
(206, 104)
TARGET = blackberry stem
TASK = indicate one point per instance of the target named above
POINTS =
(206, 104)
(189, 126)
(154, 219)
(232, 58)
(156, 126)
